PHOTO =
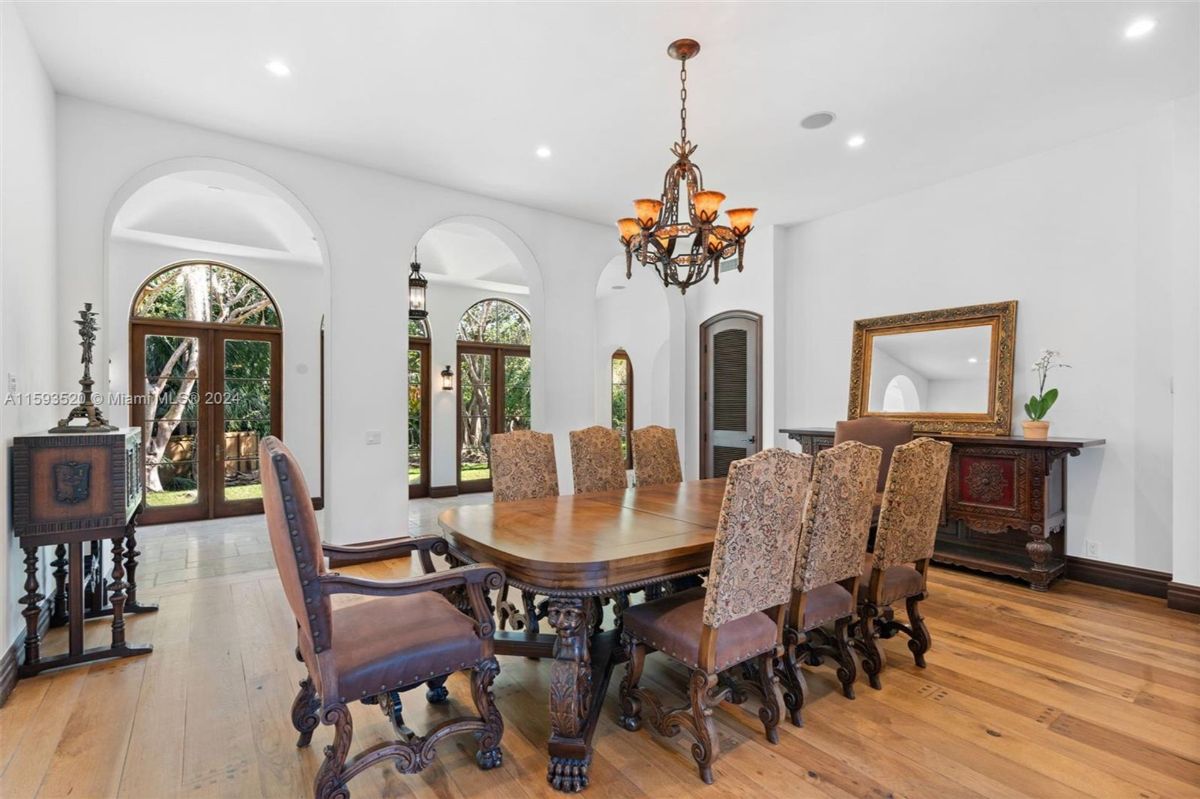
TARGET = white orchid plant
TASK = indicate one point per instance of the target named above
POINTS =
(1040, 404)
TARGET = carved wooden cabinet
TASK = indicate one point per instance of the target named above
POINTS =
(71, 489)
(1006, 502)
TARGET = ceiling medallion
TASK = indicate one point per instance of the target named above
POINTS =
(657, 237)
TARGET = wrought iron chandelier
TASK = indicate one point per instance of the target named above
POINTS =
(657, 237)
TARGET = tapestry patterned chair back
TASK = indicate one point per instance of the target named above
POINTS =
(837, 515)
(523, 466)
(596, 460)
(912, 503)
(757, 534)
(656, 456)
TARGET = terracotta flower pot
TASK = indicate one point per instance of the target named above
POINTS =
(1038, 430)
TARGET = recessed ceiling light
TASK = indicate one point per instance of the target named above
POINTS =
(972, 359)
(618, 287)
(1140, 27)
(856, 141)
(818, 120)
(278, 68)
(216, 188)
(543, 152)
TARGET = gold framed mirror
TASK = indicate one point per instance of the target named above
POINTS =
(946, 371)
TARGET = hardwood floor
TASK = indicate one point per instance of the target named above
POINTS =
(1080, 692)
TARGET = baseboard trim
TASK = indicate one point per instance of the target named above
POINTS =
(1115, 575)
(14, 656)
(441, 492)
(1183, 597)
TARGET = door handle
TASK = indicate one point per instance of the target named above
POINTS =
(751, 439)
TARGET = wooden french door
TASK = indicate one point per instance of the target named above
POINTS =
(730, 390)
(204, 396)
(418, 418)
(493, 397)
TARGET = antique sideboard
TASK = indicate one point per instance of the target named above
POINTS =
(1006, 502)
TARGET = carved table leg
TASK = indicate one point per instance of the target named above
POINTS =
(59, 615)
(131, 563)
(118, 592)
(32, 601)
(1039, 550)
(570, 695)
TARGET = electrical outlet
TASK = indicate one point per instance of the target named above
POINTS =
(374, 437)
(1093, 549)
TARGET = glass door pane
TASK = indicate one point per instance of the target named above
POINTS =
(517, 409)
(415, 415)
(171, 426)
(475, 411)
(245, 404)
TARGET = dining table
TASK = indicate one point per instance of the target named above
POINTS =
(576, 551)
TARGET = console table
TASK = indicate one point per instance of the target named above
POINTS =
(1006, 502)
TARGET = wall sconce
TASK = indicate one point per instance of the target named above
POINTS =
(447, 379)
(416, 290)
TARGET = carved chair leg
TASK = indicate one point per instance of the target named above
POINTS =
(920, 642)
(631, 705)
(772, 702)
(489, 755)
(529, 603)
(306, 712)
(503, 608)
(847, 671)
(707, 747)
(869, 644)
(329, 783)
(795, 688)
(436, 692)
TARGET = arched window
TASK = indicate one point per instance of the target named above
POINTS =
(494, 337)
(495, 321)
(206, 292)
(205, 359)
(418, 328)
(901, 396)
(418, 407)
(622, 401)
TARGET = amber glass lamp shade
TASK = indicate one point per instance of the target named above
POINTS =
(708, 205)
(740, 219)
(663, 242)
(628, 228)
(647, 212)
(715, 244)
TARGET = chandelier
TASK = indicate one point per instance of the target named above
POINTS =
(684, 252)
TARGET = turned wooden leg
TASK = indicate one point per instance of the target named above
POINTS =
(58, 616)
(570, 695)
(919, 643)
(707, 747)
(489, 755)
(32, 600)
(772, 702)
(329, 783)
(795, 689)
(847, 671)
(306, 712)
(869, 644)
(117, 598)
(131, 564)
(631, 706)
(436, 692)
(1039, 550)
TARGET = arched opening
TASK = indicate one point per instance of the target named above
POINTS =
(494, 385)
(901, 396)
(205, 360)
(622, 401)
(419, 388)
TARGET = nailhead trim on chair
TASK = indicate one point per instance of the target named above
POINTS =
(720, 667)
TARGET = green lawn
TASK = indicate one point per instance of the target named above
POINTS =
(160, 499)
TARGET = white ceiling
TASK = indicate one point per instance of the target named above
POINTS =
(461, 94)
(468, 255)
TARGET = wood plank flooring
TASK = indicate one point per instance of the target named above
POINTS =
(1080, 692)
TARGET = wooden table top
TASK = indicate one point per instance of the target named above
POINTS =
(587, 542)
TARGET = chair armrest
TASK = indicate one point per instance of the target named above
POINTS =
(385, 548)
(476, 580)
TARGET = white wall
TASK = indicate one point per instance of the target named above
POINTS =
(1081, 236)
(370, 220)
(32, 319)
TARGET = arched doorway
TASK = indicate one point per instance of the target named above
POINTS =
(206, 377)
(494, 338)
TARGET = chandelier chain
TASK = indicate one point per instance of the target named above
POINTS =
(683, 102)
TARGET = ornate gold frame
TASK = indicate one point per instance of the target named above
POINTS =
(1002, 316)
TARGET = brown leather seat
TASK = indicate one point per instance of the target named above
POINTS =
(883, 433)
(673, 624)
(400, 640)
(825, 604)
(899, 581)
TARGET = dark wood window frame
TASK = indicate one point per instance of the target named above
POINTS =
(422, 346)
(622, 355)
(497, 352)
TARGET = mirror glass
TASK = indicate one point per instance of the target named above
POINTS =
(931, 371)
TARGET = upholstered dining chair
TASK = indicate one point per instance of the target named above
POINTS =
(596, 460)
(887, 434)
(736, 619)
(833, 540)
(655, 456)
(406, 635)
(523, 467)
(904, 540)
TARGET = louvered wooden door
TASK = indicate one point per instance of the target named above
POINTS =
(730, 390)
